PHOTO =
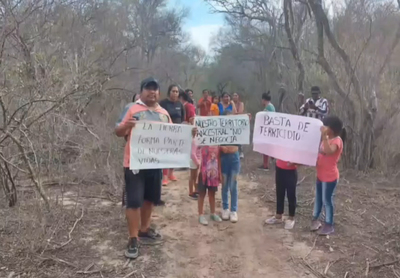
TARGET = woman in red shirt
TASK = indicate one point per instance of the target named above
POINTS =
(190, 110)
(330, 151)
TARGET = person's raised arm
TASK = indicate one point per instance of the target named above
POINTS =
(125, 123)
(123, 129)
(304, 108)
(328, 147)
(234, 110)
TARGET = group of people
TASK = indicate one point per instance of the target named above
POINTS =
(212, 166)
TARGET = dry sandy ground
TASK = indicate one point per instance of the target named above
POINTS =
(244, 249)
(94, 246)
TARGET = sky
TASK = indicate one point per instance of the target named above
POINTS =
(201, 24)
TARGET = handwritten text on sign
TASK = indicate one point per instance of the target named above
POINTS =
(287, 137)
(160, 145)
(223, 130)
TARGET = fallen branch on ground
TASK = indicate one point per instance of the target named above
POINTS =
(367, 269)
(70, 232)
(57, 260)
(385, 264)
(308, 254)
(130, 274)
(315, 272)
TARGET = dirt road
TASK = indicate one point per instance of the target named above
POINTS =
(244, 249)
(95, 235)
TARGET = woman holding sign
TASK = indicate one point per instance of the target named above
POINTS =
(176, 111)
(329, 155)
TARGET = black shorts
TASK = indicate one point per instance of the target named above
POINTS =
(143, 186)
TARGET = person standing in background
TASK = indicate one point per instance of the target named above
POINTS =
(268, 106)
(239, 104)
(204, 104)
(239, 110)
(190, 110)
(226, 104)
(316, 106)
(189, 92)
(176, 111)
(214, 110)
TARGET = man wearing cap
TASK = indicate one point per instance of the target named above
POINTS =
(316, 106)
(143, 188)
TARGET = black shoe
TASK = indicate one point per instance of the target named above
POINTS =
(151, 237)
(132, 252)
(160, 203)
(194, 196)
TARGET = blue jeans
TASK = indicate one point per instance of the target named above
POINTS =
(324, 193)
(230, 168)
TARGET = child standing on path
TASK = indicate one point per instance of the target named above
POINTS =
(230, 168)
(286, 181)
(194, 168)
(214, 110)
(327, 173)
(209, 179)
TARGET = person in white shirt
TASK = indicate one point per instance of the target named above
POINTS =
(316, 106)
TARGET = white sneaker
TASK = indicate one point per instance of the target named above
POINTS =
(273, 220)
(225, 214)
(234, 217)
(289, 224)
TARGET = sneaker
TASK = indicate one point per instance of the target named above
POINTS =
(326, 230)
(263, 168)
(315, 225)
(132, 251)
(160, 203)
(289, 224)
(165, 182)
(193, 196)
(241, 155)
(273, 220)
(151, 237)
(172, 178)
(233, 217)
(215, 217)
(225, 214)
(202, 220)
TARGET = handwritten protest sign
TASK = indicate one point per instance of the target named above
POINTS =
(160, 146)
(223, 130)
(287, 137)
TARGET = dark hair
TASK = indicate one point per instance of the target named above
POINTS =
(133, 98)
(170, 88)
(184, 96)
(224, 94)
(188, 90)
(315, 89)
(214, 97)
(205, 90)
(336, 125)
(266, 96)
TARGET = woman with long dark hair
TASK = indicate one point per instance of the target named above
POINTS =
(226, 104)
(176, 111)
